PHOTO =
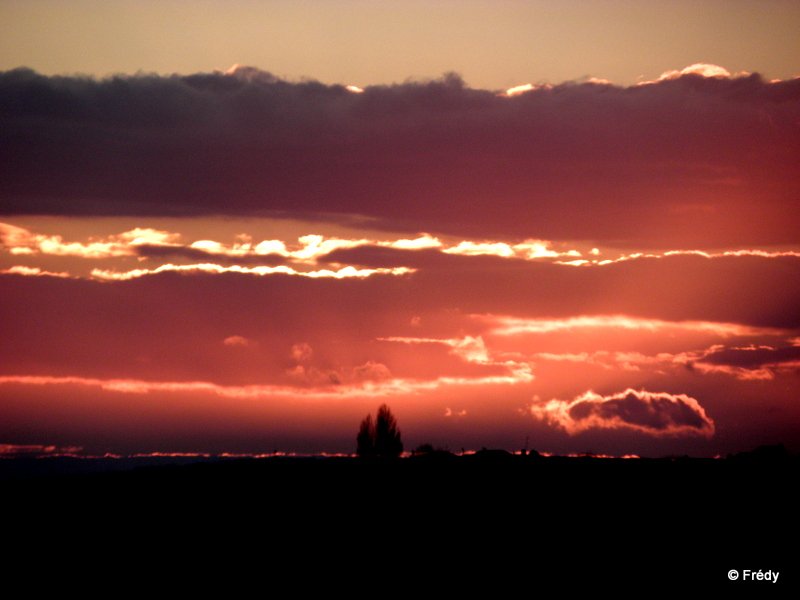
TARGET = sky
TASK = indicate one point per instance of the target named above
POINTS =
(240, 227)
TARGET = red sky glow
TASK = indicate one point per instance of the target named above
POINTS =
(196, 259)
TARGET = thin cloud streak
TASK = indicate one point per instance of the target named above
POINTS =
(516, 326)
(329, 390)
(34, 271)
(211, 268)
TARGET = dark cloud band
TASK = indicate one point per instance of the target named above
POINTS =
(683, 159)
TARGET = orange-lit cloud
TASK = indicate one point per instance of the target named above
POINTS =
(151, 243)
(36, 271)
(704, 69)
(515, 326)
(529, 249)
(467, 348)
(211, 268)
(18, 240)
(11, 450)
(448, 412)
(520, 89)
(654, 413)
(302, 352)
(473, 350)
(238, 340)
(471, 249)
(424, 241)
(369, 380)
(705, 362)
(639, 255)
(272, 256)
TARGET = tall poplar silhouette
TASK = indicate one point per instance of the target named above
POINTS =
(381, 438)
(366, 437)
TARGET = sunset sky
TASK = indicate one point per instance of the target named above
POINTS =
(242, 226)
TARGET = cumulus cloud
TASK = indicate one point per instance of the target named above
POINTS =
(655, 413)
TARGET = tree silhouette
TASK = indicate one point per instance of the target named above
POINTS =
(387, 436)
(381, 439)
(366, 437)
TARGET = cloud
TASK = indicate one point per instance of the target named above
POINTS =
(238, 340)
(514, 326)
(12, 449)
(212, 268)
(654, 413)
(520, 89)
(448, 412)
(20, 241)
(529, 249)
(17, 450)
(302, 352)
(134, 386)
(366, 381)
(689, 158)
(36, 271)
(313, 377)
(642, 255)
(159, 251)
(673, 305)
(746, 363)
(474, 353)
(372, 371)
(464, 254)
(473, 249)
(753, 356)
(702, 69)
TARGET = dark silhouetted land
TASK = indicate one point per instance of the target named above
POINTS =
(706, 516)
